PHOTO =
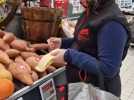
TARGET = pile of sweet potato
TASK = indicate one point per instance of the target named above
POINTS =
(19, 57)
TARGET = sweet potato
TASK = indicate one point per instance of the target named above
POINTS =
(32, 61)
(25, 55)
(20, 60)
(2, 66)
(19, 45)
(41, 46)
(50, 69)
(4, 58)
(20, 73)
(42, 74)
(12, 53)
(3, 45)
(56, 65)
(28, 49)
(35, 76)
(2, 33)
(8, 38)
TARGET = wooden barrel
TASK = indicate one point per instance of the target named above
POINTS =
(40, 23)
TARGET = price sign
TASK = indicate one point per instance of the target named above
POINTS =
(48, 91)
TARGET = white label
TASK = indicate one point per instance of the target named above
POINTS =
(77, 8)
(47, 90)
(20, 98)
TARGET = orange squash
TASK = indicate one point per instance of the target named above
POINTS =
(6, 88)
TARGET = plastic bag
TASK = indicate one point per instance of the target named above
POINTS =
(83, 91)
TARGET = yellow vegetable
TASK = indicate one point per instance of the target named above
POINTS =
(44, 63)
(5, 73)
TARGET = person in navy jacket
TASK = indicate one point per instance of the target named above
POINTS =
(99, 45)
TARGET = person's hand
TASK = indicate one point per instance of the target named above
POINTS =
(54, 43)
(58, 56)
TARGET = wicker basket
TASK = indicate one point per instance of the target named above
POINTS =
(40, 23)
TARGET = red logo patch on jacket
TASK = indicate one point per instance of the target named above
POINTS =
(84, 34)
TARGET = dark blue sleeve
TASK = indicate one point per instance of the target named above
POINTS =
(111, 41)
(67, 42)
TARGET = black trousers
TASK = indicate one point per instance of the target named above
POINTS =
(111, 85)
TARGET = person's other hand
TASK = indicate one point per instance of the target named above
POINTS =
(58, 56)
(54, 43)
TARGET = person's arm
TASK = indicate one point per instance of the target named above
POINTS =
(111, 41)
(67, 43)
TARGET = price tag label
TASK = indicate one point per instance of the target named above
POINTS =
(48, 91)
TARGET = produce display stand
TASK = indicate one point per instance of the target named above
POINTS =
(12, 5)
(43, 89)
(51, 86)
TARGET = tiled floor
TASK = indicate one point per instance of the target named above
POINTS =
(127, 76)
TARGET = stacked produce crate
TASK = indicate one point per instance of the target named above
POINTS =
(18, 62)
